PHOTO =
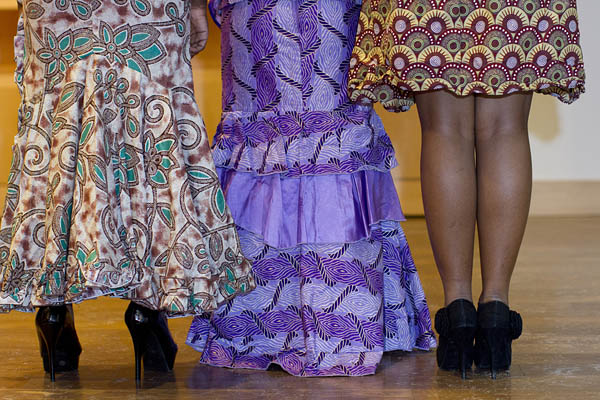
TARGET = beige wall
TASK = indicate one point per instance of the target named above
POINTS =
(565, 139)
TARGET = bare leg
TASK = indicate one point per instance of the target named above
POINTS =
(504, 187)
(449, 186)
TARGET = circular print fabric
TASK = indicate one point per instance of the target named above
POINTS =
(489, 47)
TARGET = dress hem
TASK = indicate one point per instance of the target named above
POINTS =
(566, 91)
(262, 363)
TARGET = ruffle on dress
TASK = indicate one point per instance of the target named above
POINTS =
(311, 209)
(303, 143)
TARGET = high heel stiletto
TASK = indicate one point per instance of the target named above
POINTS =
(456, 325)
(497, 327)
(59, 344)
(152, 341)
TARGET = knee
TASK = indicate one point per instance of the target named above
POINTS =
(504, 126)
(452, 130)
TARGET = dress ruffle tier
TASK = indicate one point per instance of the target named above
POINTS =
(304, 143)
(286, 212)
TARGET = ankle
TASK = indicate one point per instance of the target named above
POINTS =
(486, 298)
(450, 299)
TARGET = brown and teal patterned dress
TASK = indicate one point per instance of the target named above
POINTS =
(112, 189)
(489, 47)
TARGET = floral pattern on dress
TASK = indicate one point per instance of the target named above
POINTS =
(112, 189)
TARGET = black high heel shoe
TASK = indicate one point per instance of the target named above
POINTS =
(497, 327)
(456, 325)
(59, 344)
(152, 340)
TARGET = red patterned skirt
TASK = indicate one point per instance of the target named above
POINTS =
(493, 47)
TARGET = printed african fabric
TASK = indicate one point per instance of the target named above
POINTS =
(306, 175)
(493, 47)
(112, 189)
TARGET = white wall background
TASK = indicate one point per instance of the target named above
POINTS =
(565, 139)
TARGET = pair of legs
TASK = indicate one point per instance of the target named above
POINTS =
(475, 170)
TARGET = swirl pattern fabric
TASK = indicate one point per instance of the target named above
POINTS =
(321, 310)
(493, 47)
(285, 106)
(112, 189)
(306, 175)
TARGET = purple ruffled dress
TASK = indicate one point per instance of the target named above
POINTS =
(307, 177)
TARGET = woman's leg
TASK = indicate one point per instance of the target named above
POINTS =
(449, 186)
(503, 187)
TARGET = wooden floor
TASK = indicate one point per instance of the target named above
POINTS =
(556, 288)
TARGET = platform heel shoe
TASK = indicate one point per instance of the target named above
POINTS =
(59, 344)
(456, 325)
(497, 327)
(152, 341)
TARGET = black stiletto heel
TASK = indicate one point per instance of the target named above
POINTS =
(498, 326)
(456, 325)
(152, 341)
(59, 344)
(48, 336)
(138, 352)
